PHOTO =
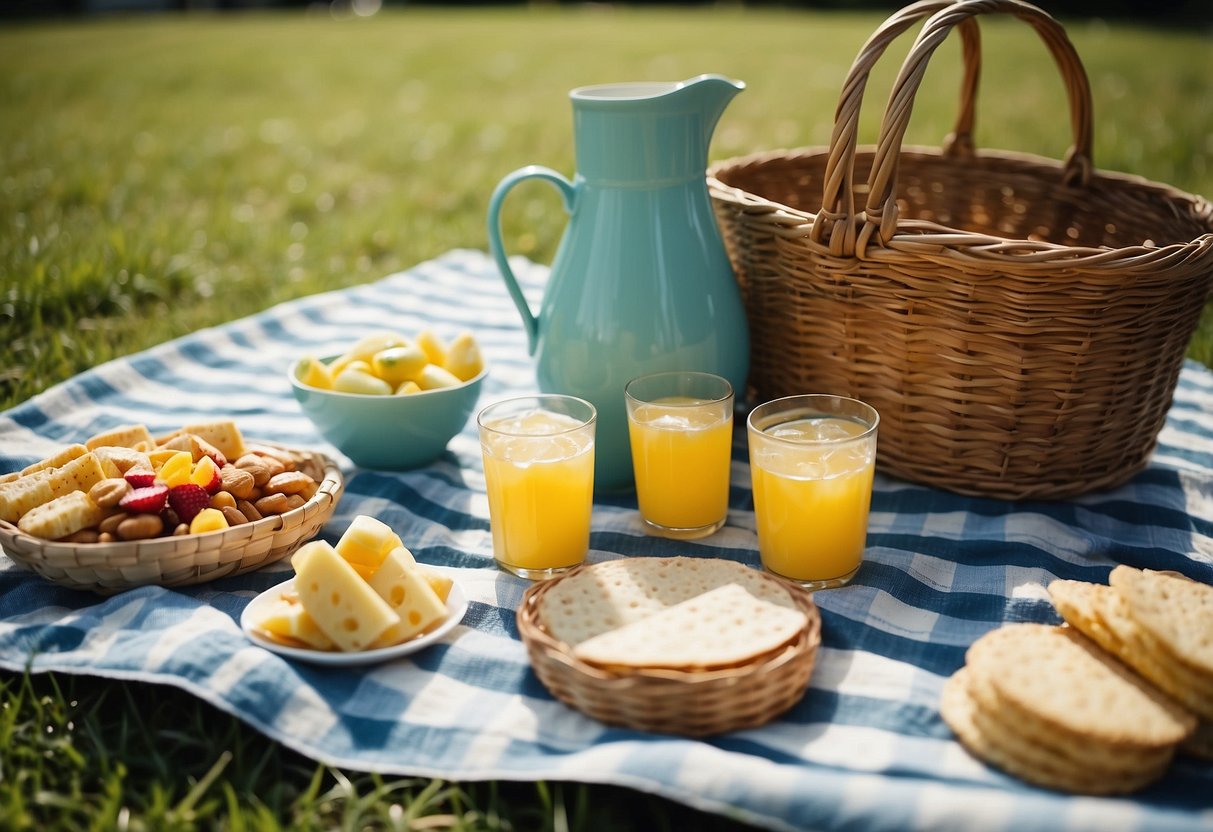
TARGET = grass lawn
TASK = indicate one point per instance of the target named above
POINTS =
(164, 173)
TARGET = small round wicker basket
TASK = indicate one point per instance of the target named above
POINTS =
(107, 568)
(694, 703)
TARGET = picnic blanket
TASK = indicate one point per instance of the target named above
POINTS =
(864, 749)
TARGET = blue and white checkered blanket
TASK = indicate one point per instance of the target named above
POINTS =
(865, 748)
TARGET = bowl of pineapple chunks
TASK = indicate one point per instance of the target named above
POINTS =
(391, 402)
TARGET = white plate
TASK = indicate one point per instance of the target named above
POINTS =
(456, 606)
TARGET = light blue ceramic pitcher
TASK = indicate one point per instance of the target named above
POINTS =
(641, 282)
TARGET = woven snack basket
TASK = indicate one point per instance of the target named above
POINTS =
(693, 703)
(106, 568)
(1019, 323)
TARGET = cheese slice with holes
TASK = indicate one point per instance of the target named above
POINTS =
(287, 622)
(366, 543)
(403, 585)
(341, 603)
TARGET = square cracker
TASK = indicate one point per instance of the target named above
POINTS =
(615, 593)
(722, 627)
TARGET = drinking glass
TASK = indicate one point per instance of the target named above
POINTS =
(812, 460)
(539, 473)
(681, 430)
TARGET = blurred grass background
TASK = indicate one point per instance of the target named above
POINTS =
(163, 173)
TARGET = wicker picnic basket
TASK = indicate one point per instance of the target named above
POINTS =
(1018, 322)
(693, 703)
(106, 568)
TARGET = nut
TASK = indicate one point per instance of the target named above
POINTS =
(83, 536)
(140, 527)
(254, 465)
(106, 537)
(276, 465)
(110, 524)
(109, 492)
(181, 529)
(237, 481)
(222, 500)
(294, 501)
(272, 504)
(289, 482)
(248, 510)
(281, 456)
(234, 516)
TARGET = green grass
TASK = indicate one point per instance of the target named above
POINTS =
(160, 174)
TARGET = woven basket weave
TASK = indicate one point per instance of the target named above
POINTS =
(1019, 323)
(106, 568)
(694, 703)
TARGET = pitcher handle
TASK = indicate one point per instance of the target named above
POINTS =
(568, 193)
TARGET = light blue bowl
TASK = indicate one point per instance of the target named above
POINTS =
(392, 433)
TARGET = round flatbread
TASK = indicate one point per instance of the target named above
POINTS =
(960, 711)
(1066, 682)
(1176, 611)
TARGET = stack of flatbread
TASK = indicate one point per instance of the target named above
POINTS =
(1100, 705)
(673, 613)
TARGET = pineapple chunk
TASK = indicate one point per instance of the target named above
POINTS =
(176, 469)
(353, 380)
(434, 377)
(433, 346)
(314, 373)
(463, 358)
(365, 348)
(399, 364)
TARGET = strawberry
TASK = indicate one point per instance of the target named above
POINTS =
(187, 500)
(140, 477)
(148, 499)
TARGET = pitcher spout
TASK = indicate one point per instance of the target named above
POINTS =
(711, 94)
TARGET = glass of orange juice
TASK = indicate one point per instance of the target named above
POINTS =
(539, 472)
(681, 430)
(811, 464)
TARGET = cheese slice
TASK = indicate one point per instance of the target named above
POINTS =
(367, 542)
(403, 585)
(289, 623)
(343, 606)
(441, 584)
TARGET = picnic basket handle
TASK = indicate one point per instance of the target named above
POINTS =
(879, 216)
(840, 165)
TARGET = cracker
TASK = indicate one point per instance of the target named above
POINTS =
(1174, 610)
(615, 593)
(724, 626)
(1070, 685)
(1141, 652)
(1076, 602)
(961, 712)
(1103, 616)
